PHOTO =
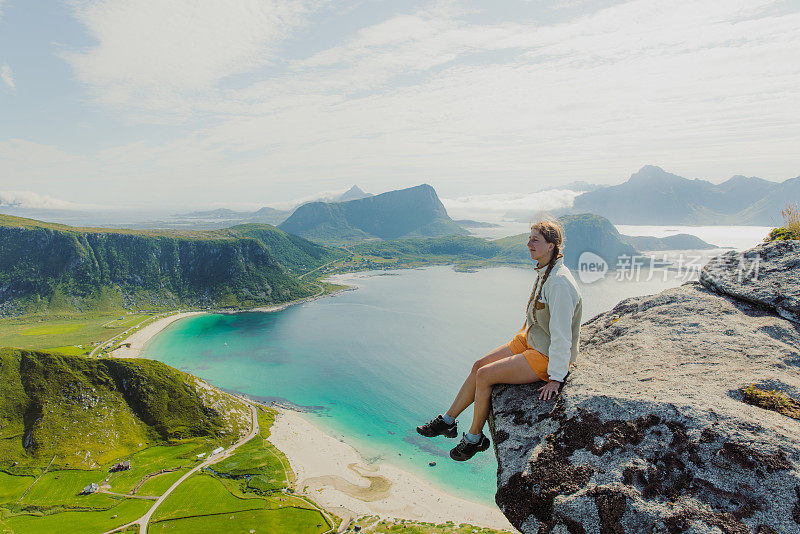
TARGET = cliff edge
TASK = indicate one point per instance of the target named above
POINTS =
(654, 430)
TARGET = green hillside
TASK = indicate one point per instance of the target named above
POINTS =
(50, 267)
(84, 413)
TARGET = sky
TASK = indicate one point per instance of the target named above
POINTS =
(213, 103)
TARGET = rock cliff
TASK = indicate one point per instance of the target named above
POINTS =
(651, 431)
(48, 266)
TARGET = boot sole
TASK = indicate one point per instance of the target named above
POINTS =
(481, 449)
(448, 433)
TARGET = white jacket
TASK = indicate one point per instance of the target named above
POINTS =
(556, 331)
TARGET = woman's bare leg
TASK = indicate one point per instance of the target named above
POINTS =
(466, 395)
(513, 370)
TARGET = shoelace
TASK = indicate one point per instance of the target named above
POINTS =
(430, 424)
(463, 444)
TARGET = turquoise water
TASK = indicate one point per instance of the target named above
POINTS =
(372, 364)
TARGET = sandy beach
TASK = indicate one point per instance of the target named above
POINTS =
(140, 337)
(334, 475)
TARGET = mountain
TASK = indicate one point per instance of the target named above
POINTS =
(413, 212)
(587, 232)
(220, 218)
(673, 242)
(354, 193)
(52, 266)
(653, 196)
(86, 412)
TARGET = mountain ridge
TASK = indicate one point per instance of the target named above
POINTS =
(411, 212)
(654, 196)
(52, 266)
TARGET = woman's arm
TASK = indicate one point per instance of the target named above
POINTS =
(562, 302)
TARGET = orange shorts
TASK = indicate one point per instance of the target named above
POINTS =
(537, 360)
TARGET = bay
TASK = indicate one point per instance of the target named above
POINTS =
(372, 364)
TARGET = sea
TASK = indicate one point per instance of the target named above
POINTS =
(369, 365)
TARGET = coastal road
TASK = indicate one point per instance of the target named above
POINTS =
(145, 519)
(108, 342)
(300, 277)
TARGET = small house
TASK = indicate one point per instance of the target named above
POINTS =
(121, 466)
(217, 451)
(91, 488)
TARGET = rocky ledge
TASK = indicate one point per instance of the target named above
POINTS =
(651, 432)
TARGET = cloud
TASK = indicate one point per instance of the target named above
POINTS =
(7, 76)
(31, 200)
(705, 89)
(321, 196)
(154, 53)
(494, 207)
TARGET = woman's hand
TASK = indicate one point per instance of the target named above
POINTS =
(547, 390)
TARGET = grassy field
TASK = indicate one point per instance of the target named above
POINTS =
(295, 520)
(205, 495)
(258, 457)
(61, 333)
(154, 459)
(126, 321)
(250, 487)
(124, 511)
(52, 329)
(12, 486)
(61, 489)
(157, 485)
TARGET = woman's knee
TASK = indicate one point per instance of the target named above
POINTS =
(475, 366)
(483, 376)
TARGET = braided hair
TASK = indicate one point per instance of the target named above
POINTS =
(552, 233)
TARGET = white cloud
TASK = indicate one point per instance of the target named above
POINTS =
(321, 196)
(6, 75)
(154, 53)
(494, 207)
(31, 200)
(704, 89)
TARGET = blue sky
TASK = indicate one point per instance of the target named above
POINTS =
(208, 103)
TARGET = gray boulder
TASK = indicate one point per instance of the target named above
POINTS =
(767, 275)
(650, 432)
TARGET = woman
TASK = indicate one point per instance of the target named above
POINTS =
(544, 349)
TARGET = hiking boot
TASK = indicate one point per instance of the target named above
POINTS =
(466, 450)
(437, 427)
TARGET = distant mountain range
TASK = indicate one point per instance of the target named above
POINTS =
(223, 217)
(653, 196)
(265, 215)
(587, 232)
(412, 212)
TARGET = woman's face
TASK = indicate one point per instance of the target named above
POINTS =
(539, 247)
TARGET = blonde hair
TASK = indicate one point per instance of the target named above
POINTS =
(552, 232)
